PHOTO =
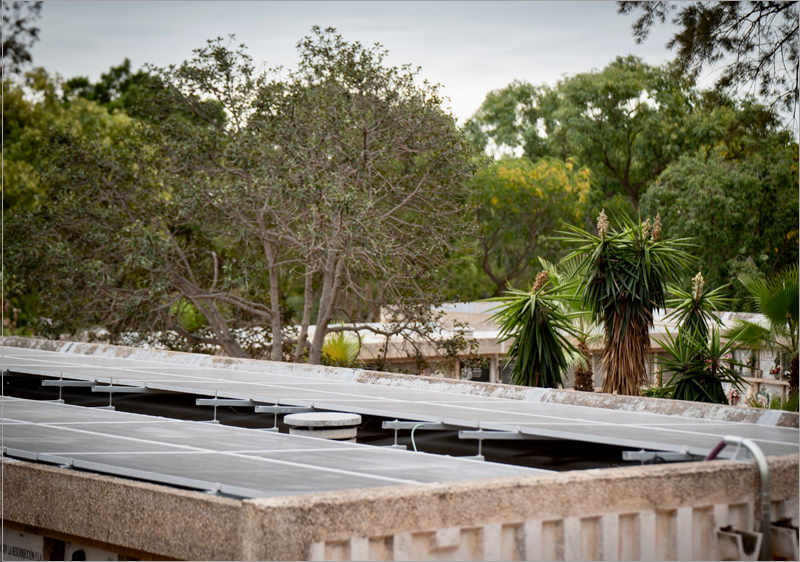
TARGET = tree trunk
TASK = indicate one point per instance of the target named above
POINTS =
(584, 376)
(331, 283)
(793, 368)
(625, 353)
(308, 303)
(275, 304)
(219, 325)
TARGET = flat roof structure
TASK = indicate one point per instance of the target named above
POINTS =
(244, 463)
(301, 387)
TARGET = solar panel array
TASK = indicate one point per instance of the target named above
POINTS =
(240, 462)
(597, 425)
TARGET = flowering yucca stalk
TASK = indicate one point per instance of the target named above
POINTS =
(694, 311)
(621, 278)
(540, 325)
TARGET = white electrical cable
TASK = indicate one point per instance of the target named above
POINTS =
(413, 429)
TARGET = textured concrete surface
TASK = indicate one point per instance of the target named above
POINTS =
(649, 512)
(162, 521)
(596, 400)
(339, 517)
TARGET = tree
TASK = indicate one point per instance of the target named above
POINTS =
(31, 110)
(343, 174)
(698, 366)
(761, 38)
(624, 123)
(622, 276)
(518, 203)
(19, 34)
(118, 88)
(742, 210)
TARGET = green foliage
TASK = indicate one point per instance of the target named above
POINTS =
(625, 123)
(341, 348)
(744, 211)
(188, 315)
(539, 325)
(694, 311)
(777, 298)
(622, 276)
(697, 361)
(30, 115)
(756, 40)
(788, 404)
(698, 367)
(518, 203)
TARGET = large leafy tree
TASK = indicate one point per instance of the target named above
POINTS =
(743, 209)
(341, 172)
(518, 204)
(756, 41)
(625, 122)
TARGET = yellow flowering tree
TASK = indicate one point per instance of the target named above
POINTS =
(519, 203)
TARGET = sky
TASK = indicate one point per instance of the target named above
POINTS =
(470, 48)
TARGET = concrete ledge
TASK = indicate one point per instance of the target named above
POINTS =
(140, 517)
(595, 400)
(406, 521)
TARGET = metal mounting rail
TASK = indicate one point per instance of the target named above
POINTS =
(276, 409)
(666, 456)
(116, 389)
(61, 383)
(397, 425)
(502, 436)
(226, 402)
(418, 424)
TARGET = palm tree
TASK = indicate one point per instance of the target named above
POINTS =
(539, 324)
(778, 300)
(621, 280)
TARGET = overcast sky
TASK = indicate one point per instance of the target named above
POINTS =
(468, 47)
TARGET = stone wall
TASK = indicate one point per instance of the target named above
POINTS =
(659, 512)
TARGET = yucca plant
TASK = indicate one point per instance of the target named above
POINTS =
(341, 348)
(696, 354)
(621, 280)
(698, 367)
(540, 326)
(778, 300)
(695, 312)
(587, 329)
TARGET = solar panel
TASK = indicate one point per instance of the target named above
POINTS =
(298, 386)
(240, 462)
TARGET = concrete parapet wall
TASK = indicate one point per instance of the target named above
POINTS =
(595, 400)
(659, 512)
